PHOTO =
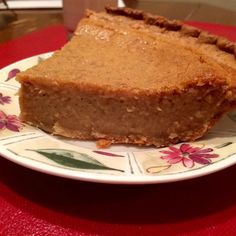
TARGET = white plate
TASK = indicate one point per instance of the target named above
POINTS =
(118, 164)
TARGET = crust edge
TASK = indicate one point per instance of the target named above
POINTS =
(204, 37)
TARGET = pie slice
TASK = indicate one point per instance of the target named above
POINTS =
(131, 77)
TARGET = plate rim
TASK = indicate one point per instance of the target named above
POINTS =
(122, 179)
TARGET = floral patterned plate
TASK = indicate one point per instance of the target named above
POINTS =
(31, 147)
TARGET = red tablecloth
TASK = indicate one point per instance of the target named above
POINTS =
(32, 203)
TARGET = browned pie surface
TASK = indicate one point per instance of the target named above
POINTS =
(127, 80)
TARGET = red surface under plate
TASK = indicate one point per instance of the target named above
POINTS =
(32, 203)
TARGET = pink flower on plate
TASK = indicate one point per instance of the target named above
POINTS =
(4, 99)
(10, 122)
(188, 155)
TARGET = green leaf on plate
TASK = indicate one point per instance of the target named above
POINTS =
(223, 145)
(157, 169)
(73, 159)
